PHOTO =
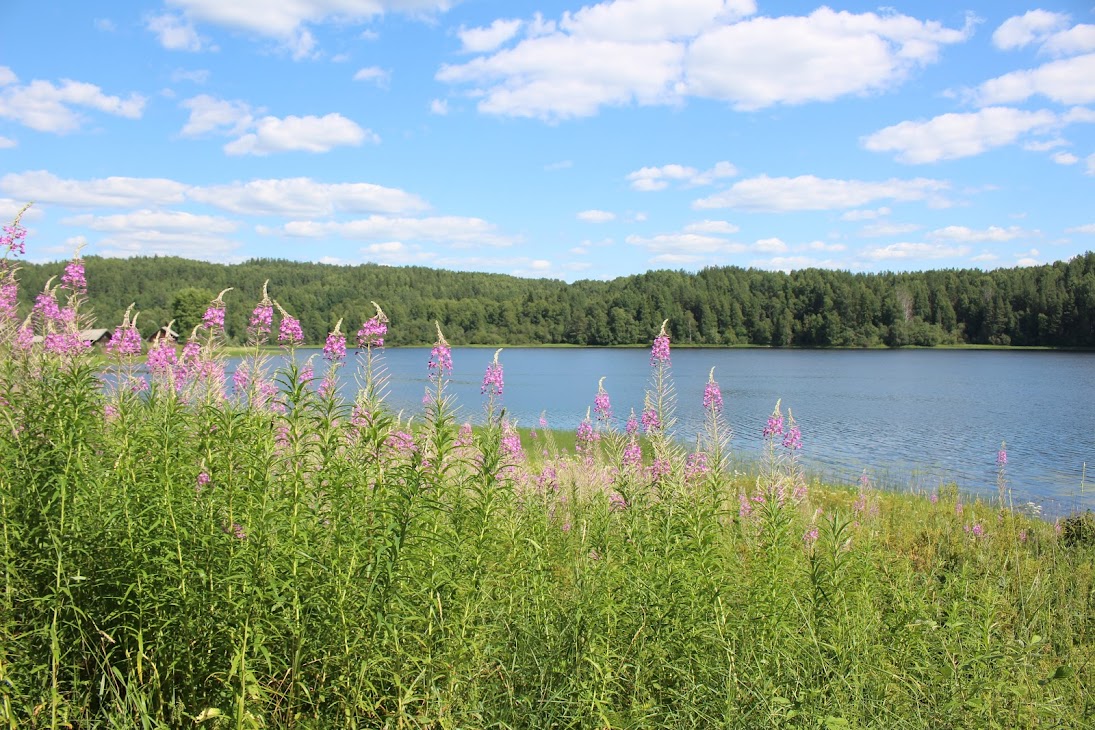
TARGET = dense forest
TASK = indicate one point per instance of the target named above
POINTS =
(1052, 305)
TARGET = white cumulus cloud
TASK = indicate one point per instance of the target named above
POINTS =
(48, 107)
(305, 134)
(649, 179)
(654, 52)
(108, 192)
(302, 196)
(1032, 27)
(883, 230)
(482, 40)
(287, 20)
(456, 231)
(951, 136)
(596, 216)
(176, 33)
(969, 235)
(796, 59)
(375, 74)
(808, 192)
(709, 226)
(907, 250)
(209, 114)
(1066, 81)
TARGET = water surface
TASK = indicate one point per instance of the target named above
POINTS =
(911, 418)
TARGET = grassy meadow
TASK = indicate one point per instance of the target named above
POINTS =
(178, 551)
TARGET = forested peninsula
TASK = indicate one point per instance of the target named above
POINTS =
(1051, 305)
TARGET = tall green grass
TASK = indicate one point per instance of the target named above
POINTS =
(173, 557)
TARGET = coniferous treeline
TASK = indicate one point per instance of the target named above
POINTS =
(1051, 305)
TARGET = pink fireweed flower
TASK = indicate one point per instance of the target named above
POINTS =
(774, 426)
(361, 417)
(585, 439)
(810, 537)
(586, 436)
(126, 339)
(9, 297)
(14, 237)
(203, 479)
(511, 442)
(74, 277)
(492, 378)
(659, 468)
(1002, 455)
(334, 350)
(633, 455)
(602, 405)
(793, 438)
(745, 507)
(161, 358)
(440, 356)
(659, 353)
(24, 337)
(400, 442)
(650, 420)
(696, 466)
(262, 317)
(290, 333)
(240, 380)
(373, 330)
(616, 502)
(934, 498)
(213, 319)
(238, 531)
(632, 426)
(65, 343)
(976, 530)
(712, 396)
(46, 308)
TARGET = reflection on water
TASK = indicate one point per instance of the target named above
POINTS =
(911, 418)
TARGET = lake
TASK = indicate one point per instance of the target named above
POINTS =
(914, 419)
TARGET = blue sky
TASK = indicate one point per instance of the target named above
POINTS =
(553, 139)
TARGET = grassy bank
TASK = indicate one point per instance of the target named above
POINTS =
(174, 556)
(175, 559)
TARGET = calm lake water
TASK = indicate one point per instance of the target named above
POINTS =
(914, 419)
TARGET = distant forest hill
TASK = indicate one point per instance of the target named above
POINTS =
(1051, 305)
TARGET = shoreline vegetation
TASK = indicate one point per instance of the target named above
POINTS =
(178, 554)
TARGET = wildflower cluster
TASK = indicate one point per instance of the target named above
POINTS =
(373, 330)
(659, 353)
(712, 396)
(126, 339)
(602, 405)
(262, 318)
(334, 349)
(290, 333)
(440, 363)
(213, 319)
(492, 378)
(14, 236)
